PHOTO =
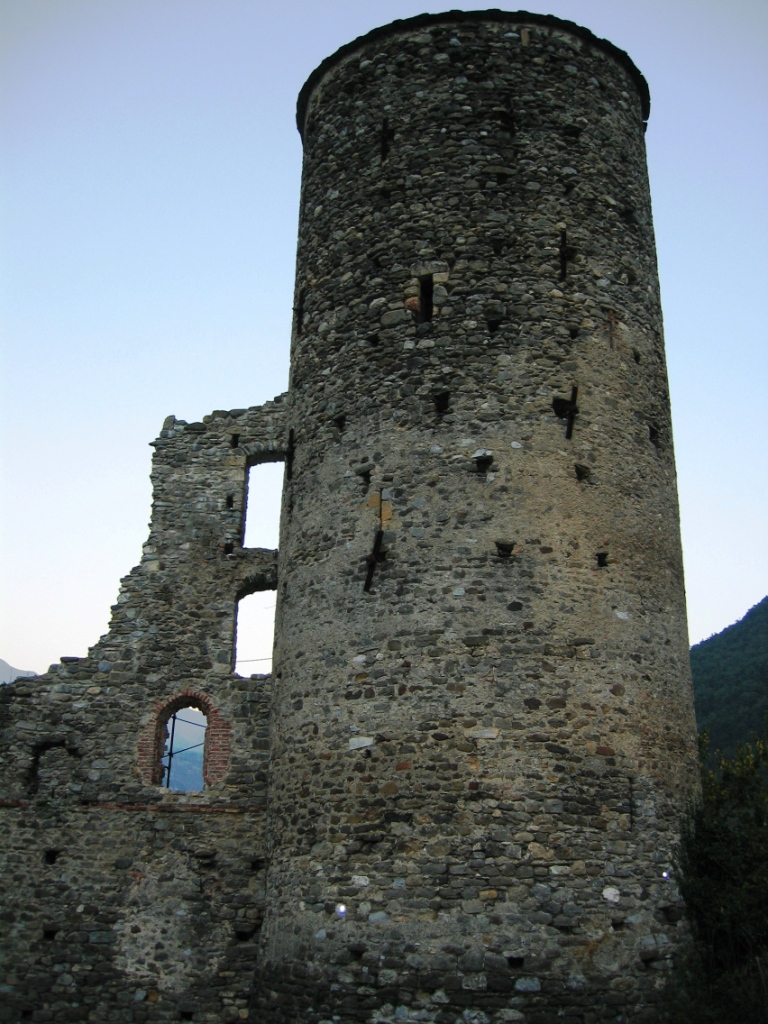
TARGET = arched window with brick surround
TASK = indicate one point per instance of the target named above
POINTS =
(154, 746)
(182, 760)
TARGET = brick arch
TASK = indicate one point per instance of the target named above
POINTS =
(217, 747)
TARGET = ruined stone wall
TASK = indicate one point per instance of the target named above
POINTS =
(122, 901)
(482, 720)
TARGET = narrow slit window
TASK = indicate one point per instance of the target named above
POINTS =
(290, 454)
(567, 254)
(299, 310)
(262, 508)
(182, 760)
(255, 633)
(426, 298)
(386, 138)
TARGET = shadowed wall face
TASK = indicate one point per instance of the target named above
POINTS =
(482, 724)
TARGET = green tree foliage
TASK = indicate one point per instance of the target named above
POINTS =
(723, 876)
(730, 680)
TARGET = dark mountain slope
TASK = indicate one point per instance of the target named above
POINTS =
(730, 680)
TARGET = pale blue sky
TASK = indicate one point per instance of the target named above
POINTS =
(148, 203)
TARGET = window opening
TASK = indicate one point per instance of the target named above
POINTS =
(299, 310)
(507, 121)
(483, 462)
(566, 409)
(567, 253)
(234, 441)
(426, 299)
(290, 453)
(442, 402)
(386, 138)
(255, 633)
(262, 506)
(182, 760)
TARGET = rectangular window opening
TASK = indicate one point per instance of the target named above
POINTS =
(262, 505)
(442, 402)
(255, 633)
(426, 299)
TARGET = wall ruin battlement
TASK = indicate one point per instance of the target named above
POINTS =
(456, 797)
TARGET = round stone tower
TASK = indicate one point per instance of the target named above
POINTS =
(483, 730)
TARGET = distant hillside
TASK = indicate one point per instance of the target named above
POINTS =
(730, 680)
(8, 673)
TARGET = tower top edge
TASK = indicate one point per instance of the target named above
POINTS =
(472, 17)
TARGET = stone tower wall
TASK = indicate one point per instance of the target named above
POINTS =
(482, 727)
